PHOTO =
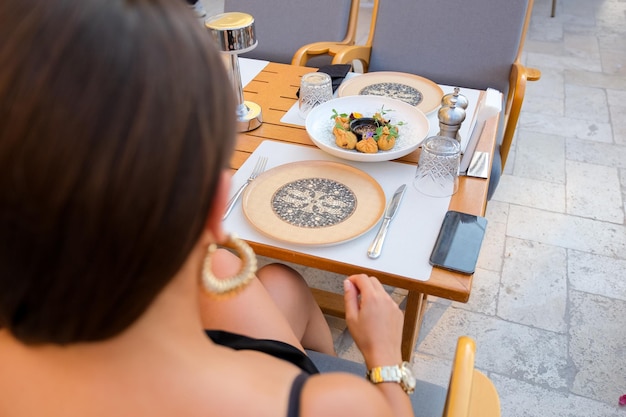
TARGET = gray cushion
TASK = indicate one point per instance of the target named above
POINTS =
(428, 399)
(455, 42)
(282, 27)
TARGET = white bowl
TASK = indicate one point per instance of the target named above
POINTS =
(411, 134)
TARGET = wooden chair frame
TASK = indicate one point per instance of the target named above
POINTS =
(470, 392)
(517, 80)
(327, 48)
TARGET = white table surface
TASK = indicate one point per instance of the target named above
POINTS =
(412, 233)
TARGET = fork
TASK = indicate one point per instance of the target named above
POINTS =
(258, 168)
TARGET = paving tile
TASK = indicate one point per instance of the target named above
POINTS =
(520, 399)
(542, 29)
(529, 354)
(606, 154)
(594, 78)
(619, 123)
(566, 127)
(581, 45)
(616, 97)
(598, 346)
(543, 46)
(432, 369)
(497, 211)
(593, 191)
(596, 274)
(586, 103)
(540, 156)
(567, 231)
(484, 293)
(563, 62)
(490, 257)
(529, 192)
(533, 288)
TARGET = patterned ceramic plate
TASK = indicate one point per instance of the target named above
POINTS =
(412, 89)
(317, 203)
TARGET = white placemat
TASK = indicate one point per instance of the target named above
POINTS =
(250, 68)
(293, 117)
(412, 233)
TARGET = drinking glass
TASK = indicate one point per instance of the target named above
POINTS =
(315, 88)
(437, 173)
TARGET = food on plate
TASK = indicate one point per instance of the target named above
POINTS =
(365, 134)
(368, 145)
(345, 139)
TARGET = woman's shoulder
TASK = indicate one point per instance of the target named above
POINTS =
(341, 394)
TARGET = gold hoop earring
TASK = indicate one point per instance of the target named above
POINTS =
(229, 286)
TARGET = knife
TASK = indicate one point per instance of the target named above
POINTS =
(377, 245)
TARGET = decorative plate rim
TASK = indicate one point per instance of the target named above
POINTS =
(431, 91)
(370, 204)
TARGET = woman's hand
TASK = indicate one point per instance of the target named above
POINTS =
(374, 320)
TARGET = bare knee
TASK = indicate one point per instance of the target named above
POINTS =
(285, 284)
(271, 273)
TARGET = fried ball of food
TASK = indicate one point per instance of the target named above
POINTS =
(367, 146)
(386, 140)
(344, 138)
(342, 122)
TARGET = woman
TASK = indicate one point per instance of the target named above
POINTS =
(116, 129)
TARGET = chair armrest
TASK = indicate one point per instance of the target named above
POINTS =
(517, 89)
(347, 54)
(302, 55)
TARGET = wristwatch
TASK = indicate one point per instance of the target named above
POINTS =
(397, 373)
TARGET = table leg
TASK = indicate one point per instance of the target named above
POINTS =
(413, 316)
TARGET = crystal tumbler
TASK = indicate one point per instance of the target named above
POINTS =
(437, 173)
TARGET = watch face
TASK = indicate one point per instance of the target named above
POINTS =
(408, 380)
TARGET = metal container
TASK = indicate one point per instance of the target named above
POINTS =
(461, 100)
(233, 32)
(450, 119)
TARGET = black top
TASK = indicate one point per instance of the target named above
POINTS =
(274, 348)
(293, 409)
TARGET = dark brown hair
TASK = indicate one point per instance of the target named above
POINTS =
(116, 119)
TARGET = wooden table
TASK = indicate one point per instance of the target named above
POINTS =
(274, 89)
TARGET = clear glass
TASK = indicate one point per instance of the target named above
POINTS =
(437, 173)
(315, 88)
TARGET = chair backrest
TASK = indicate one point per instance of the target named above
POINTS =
(284, 26)
(456, 42)
(470, 392)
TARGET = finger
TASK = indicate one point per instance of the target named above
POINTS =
(375, 282)
(350, 298)
(362, 282)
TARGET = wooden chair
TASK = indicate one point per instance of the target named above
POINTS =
(284, 26)
(311, 50)
(470, 393)
(476, 44)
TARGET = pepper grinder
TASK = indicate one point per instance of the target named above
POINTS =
(234, 33)
(461, 100)
(450, 119)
